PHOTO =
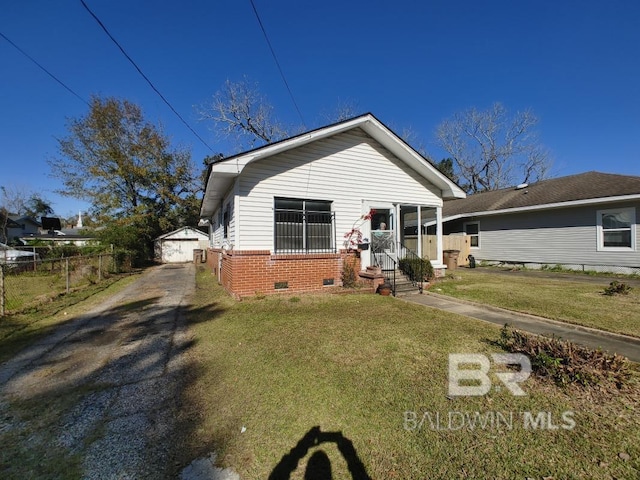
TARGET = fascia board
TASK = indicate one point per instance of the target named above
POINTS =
(546, 206)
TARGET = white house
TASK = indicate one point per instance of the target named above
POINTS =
(278, 214)
(178, 246)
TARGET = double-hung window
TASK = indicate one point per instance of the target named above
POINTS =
(472, 229)
(303, 226)
(616, 229)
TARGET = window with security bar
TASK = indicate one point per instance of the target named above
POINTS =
(303, 226)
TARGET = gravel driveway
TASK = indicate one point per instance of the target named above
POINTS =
(119, 369)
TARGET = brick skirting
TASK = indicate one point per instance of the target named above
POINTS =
(258, 272)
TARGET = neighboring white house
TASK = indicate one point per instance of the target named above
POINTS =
(178, 246)
(587, 221)
(283, 209)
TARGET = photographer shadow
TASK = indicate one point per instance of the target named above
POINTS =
(319, 465)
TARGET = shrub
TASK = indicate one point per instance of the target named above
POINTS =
(413, 266)
(567, 363)
(617, 288)
(349, 274)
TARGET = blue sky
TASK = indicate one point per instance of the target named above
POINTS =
(576, 64)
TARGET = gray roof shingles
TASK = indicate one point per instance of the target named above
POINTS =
(582, 186)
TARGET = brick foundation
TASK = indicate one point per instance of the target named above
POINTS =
(258, 272)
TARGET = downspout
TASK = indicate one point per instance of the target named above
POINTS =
(236, 214)
(211, 231)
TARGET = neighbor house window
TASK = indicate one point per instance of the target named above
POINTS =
(473, 230)
(616, 229)
(303, 226)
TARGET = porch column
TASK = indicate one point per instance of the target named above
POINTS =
(419, 220)
(396, 220)
(439, 234)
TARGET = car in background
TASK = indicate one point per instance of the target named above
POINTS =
(12, 256)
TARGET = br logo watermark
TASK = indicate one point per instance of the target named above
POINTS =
(471, 374)
(468, 373)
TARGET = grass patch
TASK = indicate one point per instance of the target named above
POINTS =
(363, 365)
(19, 330)
(581, 303)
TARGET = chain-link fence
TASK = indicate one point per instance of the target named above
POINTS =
(29, 282)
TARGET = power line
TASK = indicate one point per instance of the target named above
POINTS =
(143, 75)
(273, 53)
(42, 68)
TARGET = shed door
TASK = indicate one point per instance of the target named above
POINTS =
(175, 251)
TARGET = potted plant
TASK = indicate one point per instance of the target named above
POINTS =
(364, 244)
(353, 239)
(385, 289)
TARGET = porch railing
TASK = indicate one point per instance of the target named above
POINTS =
(405, 260)
(388, 266)
(412, 265)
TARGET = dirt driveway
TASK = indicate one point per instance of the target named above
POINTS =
(102, 393)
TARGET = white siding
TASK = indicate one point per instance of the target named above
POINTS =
(186, 233)
(348, 169)
(216, 230)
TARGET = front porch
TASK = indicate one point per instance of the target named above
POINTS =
(398, 230)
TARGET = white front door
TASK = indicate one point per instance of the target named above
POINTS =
(383, 235)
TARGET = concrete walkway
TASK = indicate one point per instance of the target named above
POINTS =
(590, 337)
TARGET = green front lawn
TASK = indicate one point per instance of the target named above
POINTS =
(579, 302)
(373, 368)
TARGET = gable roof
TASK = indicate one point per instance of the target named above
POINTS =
(190, 230)
(573, 190)
(25, 219)
(10, 223)
(222, 173)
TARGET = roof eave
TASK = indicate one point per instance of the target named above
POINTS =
(546, 206)
(226, 170)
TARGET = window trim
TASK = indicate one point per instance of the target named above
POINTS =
(600, 230)
(305, 249)
(464, 227)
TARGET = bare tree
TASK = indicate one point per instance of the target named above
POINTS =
(414, 138)
(492, 150)
(344, 110)
(241, 112)
(18, 200)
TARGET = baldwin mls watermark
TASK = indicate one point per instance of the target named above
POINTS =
(491, 420)
(469, 376)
